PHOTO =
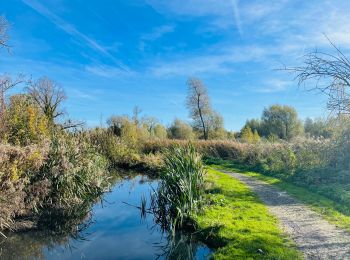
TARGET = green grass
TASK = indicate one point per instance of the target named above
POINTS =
(238, 224)
(332, 211)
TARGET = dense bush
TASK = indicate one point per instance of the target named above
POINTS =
(180, 130)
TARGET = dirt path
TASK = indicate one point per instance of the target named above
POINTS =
(314, 236)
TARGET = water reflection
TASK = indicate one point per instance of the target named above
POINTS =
(112, 230)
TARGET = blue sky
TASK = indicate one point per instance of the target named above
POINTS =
(112, 55)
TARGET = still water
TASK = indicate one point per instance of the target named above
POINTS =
(114, 230)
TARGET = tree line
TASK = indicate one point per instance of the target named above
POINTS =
(276, 122)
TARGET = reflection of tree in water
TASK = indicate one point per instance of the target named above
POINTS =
(55, 228)
(182, 245)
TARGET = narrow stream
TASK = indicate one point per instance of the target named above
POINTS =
(114, 230)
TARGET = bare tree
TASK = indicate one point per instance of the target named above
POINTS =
(198, 103)
(6, 83)
(48, 95)
(136, 114)
(330, 74)
(150, 123)
(4, 26)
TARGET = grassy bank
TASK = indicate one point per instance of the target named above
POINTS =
(237, 223)
(333, 211)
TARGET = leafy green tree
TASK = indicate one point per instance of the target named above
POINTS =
(180, 130)
(215, 127)
(254, 124)
(160, 132)
(256, 136)
(116, 124)
(281, 121)
(318, 128)
(25, 122)
(231, 135)
(247, 135)
(125, 128)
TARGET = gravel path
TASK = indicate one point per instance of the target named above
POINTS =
(314, 236)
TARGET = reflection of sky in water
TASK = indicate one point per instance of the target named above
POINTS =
(118, 231)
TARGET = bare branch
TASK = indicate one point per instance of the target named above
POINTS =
(330, 74)
(72, 125)
(6, 83)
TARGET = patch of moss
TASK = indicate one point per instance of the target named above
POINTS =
(238, 225)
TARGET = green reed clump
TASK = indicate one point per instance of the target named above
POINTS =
(180, 192)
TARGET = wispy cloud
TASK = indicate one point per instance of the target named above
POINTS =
(220, 10)
(158, 32)
(107, 71)
(155, 34)
(222, 14)
(219, 63)
(237, 16)
(273, 86)
(76, 93)
(71, 30)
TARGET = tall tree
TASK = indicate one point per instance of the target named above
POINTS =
(49, 96)
(281, 121)
(198, 102)
(319, 127)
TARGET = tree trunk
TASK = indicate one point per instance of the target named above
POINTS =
(205, 134)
